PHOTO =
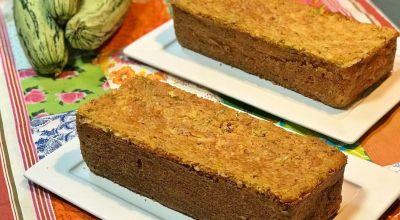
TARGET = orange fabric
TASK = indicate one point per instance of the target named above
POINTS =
(395, 215)
(65, 211)
(382, 141)
(141, 19)
(393, 212)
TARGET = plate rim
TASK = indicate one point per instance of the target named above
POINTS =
(357, 171)
(347, 129)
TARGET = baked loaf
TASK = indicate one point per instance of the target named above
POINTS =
(322, 55)
(206, 160)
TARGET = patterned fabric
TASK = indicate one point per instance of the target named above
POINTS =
(25, 198)
(38, 112)
(80, 82)
(50, 133)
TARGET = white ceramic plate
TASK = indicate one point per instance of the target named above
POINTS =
(160, 49)
(368, 189)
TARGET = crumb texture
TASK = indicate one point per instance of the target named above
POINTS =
(331, 37)
(214, 139)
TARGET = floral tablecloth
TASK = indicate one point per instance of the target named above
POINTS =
(38, 113)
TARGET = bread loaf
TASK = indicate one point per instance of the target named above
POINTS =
(322, 55)
(206, 160)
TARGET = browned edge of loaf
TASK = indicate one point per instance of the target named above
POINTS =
(194, 193)
(316, 79)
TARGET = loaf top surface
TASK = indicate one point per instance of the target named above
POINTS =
(214, 139)
(330, 37)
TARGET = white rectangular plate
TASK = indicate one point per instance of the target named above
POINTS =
(160, 49)
(368, 189)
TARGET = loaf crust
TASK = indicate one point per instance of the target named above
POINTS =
(327, 57)
(206, 160)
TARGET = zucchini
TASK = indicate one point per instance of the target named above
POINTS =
(62, 10)
(95, 22)
(41, 37)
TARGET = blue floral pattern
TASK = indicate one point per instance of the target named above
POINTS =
(50, 133)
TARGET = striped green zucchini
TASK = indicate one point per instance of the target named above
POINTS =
(62, 10)
(95, 22)
(40, 36)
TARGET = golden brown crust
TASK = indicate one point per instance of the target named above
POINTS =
(332, 37)
(215, 139)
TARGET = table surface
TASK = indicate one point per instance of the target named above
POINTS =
(37, 113)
